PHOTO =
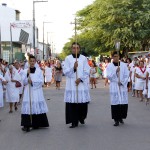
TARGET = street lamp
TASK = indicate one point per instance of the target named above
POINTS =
(34, 23)
(47, 37)
(43, 36)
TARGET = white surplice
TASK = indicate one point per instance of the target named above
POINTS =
(1, 91)
(83, 72)
(12, 92)
(38, 104)
(118, 95)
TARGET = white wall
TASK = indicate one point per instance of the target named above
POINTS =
(7, 17)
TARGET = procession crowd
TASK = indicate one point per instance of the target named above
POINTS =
(22, 81)
(139, 75)
(12, 73)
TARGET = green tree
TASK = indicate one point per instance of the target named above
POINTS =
(104, 21)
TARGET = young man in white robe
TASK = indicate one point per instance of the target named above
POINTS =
(34, 107)
(118, 76)
(26, 65)
(76, 94)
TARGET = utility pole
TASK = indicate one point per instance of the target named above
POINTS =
(11, 44)
(34, 24)
(43, 37)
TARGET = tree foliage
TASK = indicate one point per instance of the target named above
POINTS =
(104, 21)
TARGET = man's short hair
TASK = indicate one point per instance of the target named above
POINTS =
(31, 56)
(75, 43)
(114, 53)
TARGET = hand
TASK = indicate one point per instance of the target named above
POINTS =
(118, 70)
(144, 78)
(119, 83)
(148, 78)
(28, 72)
(4, 82)
(146, 86)
(78, 81)
(29, 81)
(75, 65)
(13, 81)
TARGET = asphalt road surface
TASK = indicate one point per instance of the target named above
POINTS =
(97, 134)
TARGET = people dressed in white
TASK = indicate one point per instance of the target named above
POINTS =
(93, 72)
(118, 76)
(20, 72)
(77, 91)
(133, 78)
(140, 79)
(48, 74)
(12, 92)
(148, 84)
(34, 107)
(2, 82)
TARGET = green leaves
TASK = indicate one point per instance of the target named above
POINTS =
(104, 21)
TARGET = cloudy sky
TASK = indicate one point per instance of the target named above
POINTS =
(59, 12)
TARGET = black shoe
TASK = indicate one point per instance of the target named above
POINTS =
(121, 121)
(116, 124)
(82, 122)
(26, 129)
(73, 126)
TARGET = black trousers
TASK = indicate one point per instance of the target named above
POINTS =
(39, 120)
(119, 111)
(76, 112)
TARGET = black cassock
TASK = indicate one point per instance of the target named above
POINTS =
(119, 111)
(76, 112)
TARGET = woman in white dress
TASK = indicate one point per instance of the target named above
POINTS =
(48, 74)
(2, 82)
(12, 92)
(140, 75)
(93, 75)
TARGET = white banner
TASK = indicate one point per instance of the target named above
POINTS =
(21, 25)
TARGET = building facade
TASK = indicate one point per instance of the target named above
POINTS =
(16, 34)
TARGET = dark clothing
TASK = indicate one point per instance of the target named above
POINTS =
(39, 120)
(119, 111)
(116, 64)
(32, 70)
(76, 112)
(74, 55)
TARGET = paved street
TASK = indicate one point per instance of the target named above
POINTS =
(98, 133)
